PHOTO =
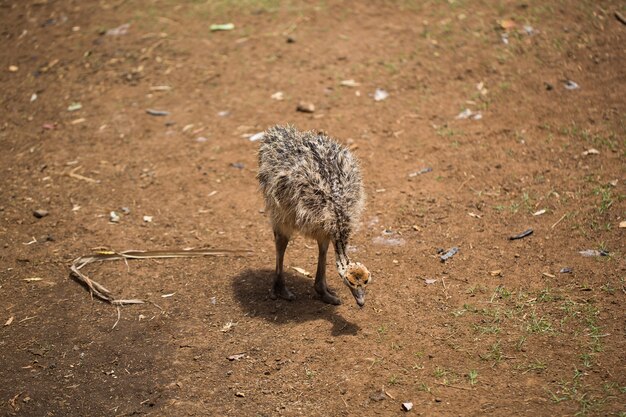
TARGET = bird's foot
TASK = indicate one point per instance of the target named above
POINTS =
(328, 296)
(281, 291)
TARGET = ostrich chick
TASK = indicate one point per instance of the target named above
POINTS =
(311, 184)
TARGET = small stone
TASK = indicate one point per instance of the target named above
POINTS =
(147, 219)
(40, 213)
(278, 96)
(114, 217)
(291, 39)
(407, 406)
(306, 107)
(13, 68)
(236, 357)
(240, 394)
(380, 94)
(622, 224)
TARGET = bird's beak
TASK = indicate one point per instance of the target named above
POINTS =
(359, 296)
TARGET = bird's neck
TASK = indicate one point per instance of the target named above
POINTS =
(341, 256)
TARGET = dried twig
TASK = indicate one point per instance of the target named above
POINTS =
(559, 221)
(464, 182)
(445, 289)
(119, 314)
(73, 174)
(104, 294)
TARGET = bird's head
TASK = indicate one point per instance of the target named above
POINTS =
(356, 278)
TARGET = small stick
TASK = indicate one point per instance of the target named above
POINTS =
(73, 174)
(388, 394)
(445, 290)
(559, 221)
(119, 314)
(619, 17)
(464, 182)
(101, 292)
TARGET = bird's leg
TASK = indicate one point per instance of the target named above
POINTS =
(279, 289)
(327, 295)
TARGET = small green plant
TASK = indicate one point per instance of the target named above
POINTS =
(586, 358)
(440, 372)
(493, 354)
(423, 387)
(472, 376)
(538, 324)
(606, 198)
(545, 296)
(488, 329)
(537, 365)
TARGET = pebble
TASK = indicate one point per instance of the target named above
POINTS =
(380, 94)
(114, 217)
(40, 213)
(407, 406)
(306, 107)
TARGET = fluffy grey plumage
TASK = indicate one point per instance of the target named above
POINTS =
(311, 184)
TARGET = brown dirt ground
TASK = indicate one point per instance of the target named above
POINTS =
(530, 341)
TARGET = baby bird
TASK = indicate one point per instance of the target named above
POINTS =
(311, 184)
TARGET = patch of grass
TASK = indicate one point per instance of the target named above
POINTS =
(606, 198)
(493, 354)
(500, 292)
(586, 358)
(538, 324)
(573, 391)
(535, 366)
(487, 329)
(393, 379)
(472, 377)
(423, 387)
(440, 372)
(546, 296)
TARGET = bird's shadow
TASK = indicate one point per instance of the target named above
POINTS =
(251, 290)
